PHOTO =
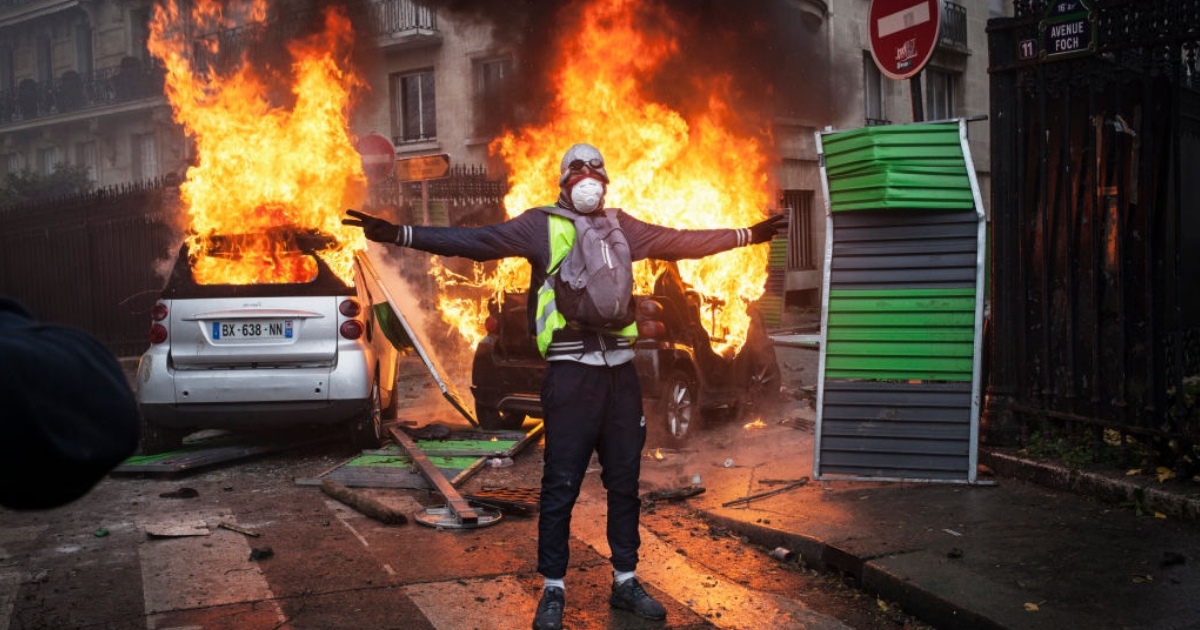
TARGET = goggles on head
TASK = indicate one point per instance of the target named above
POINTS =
(594, 163)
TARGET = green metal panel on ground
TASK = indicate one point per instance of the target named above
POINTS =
(902, 303)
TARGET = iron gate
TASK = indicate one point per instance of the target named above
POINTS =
(1096, 225)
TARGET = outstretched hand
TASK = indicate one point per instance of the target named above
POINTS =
(766, 229)
(373, 228)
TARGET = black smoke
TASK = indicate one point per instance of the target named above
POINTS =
(776, 56)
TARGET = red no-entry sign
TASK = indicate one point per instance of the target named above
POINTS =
(378, 156)
(903, 35)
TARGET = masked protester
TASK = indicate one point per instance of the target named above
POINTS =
(591, 397)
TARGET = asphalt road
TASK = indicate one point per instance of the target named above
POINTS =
(97, 564)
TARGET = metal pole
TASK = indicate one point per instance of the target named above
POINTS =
(425, 202)
(918, 108)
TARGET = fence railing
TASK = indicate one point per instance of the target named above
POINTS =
(1095, 328)
(77, 91)
(953, 30)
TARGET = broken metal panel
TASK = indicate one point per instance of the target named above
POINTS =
(405, 337)
(898, 390)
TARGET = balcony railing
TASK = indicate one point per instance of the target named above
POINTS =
(953, 32)
(394, 17)
(75, 91)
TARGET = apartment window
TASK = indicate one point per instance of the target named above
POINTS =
(801, 252)
(493, 97)
(145, 157)
(139, 34)
(7, 80)
(12, 163)
(414, 106)
(872, 91)
(48, 159)
(45, 58)
(85, 156)
(939, 98)
(83, 49)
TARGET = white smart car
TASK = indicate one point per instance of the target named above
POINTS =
(266, 356)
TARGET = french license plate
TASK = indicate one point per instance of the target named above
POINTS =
(253, 329)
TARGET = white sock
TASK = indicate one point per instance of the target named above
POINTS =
(547, 583)
(620, 576)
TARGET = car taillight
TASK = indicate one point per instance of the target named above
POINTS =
(351, 329)
(349, 308)
(491, 324)
(159, 312)
(649, 328)
(158, 333)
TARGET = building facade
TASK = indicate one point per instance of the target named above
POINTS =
(78, 86)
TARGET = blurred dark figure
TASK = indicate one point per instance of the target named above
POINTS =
(67, 414)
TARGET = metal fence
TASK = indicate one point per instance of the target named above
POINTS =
(1096, 230)
(89, 260)
(94, 260)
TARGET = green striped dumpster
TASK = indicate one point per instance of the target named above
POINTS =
(902, 305)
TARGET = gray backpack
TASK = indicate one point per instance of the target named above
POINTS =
(593, 284)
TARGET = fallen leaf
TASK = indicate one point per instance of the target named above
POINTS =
(1165, 473)
(1159, 515)
(883, 605)
(1031, 607)
(1133, 471)
(1142, 578)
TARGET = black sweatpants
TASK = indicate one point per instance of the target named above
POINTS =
(590, 408)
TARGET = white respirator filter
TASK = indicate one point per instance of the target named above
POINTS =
(587, 195)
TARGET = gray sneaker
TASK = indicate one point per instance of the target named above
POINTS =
(630, 595)
(549, 610)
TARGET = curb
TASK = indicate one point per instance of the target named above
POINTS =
(872, 578)
(1149, 498)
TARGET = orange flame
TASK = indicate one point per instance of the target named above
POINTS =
(261, 165)
(668, 169)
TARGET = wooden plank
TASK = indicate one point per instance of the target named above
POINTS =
(454, 501)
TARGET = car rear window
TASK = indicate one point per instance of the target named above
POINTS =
(233, 270)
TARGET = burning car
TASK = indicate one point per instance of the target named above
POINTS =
(683, 379)
(304, 349)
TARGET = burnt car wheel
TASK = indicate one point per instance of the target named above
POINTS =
(367, 431)
(493, 419)
(679, 409)
(157, 439)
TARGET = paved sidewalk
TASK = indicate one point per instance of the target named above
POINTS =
(1005, 553)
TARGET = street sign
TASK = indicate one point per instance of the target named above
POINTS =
(1068, 28)
(378, 156)
(423, 167)
(903, 35)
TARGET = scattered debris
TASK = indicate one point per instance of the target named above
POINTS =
(182, 493)
(434, 431)
(237, 528)
(100, 533)
(520, 501)
(673, 494)
(776, 482)
(783, 554)
(747, 499)
(951, 532)
(955, 553)
(257, 554)
(363, 503)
